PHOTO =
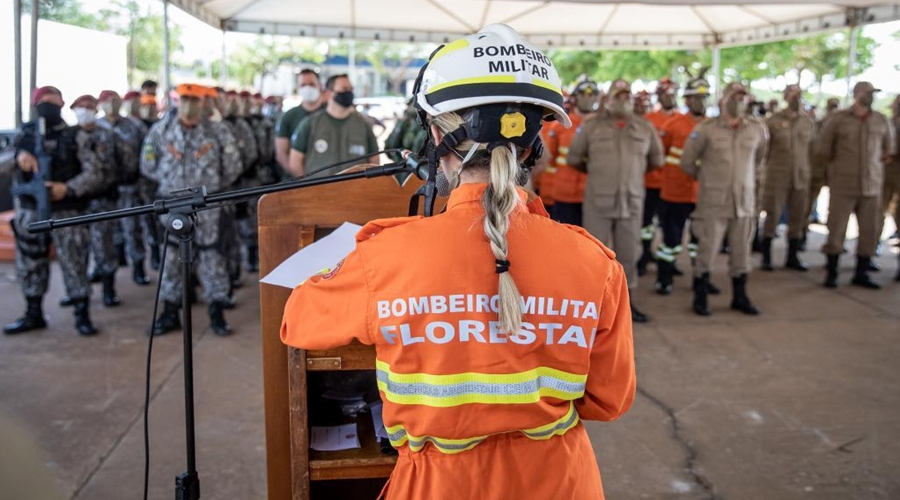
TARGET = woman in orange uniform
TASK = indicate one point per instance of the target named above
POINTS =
(488, 358)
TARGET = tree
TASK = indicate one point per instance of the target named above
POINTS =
(66, 12)
(390, 60)
(266, 53)
(144, 31)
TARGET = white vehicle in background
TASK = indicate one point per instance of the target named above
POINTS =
(381, 108)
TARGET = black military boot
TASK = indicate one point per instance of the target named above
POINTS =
(138, 275)
(832, 268)
(712, 288)
(637, 316)
(861, 278)
(663, 277)
(740, 301)
(701, 291)
(872, 266)
(120, 252)
(110, 299)
(756, 246)
(252, 259)
(66, 301)
(154, 257)
(646, 257)
(82, 317)
(168, 321)
(897, 278)
(32, 320)
(766, 249)
(793, 260)
(217, 319)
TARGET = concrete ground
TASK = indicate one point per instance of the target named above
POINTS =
(802, 402)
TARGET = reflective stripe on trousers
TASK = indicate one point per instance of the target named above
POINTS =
(398, 435)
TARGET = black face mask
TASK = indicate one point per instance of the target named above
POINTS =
(49, 112)
(344, 99)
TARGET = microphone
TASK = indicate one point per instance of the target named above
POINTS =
(420, 168)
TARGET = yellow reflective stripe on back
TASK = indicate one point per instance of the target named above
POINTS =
(443, 391)
(561, 160)
(676, 150)
(477, 79)
(398, 435)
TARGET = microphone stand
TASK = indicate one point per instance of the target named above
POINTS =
(182, 208)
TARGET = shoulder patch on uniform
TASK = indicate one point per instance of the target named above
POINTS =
(373, 228)
(583, 232)
(327, 274)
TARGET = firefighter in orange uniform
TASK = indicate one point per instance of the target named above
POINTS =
(487, 366)
(679, 190)
(568, 183)
(543, 176)
(666, 96)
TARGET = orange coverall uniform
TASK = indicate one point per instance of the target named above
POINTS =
(568, 183)
(653, 182)
(476, 412)
(545, 182)
(679, 190)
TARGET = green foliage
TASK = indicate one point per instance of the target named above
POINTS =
(823, 56)
(390, 60)
(66, 12)
(265, 53)
(144, 31)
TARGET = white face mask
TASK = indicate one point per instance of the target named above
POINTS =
(309, 94)
(85, 116)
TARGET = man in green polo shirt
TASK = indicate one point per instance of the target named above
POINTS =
(338, 134)
(314, 99)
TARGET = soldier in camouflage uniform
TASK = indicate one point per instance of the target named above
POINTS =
(128, 139)
(131, 101)
(75, 175)
(182, 152)
(102, 244)
(264, 130)
(234, 113)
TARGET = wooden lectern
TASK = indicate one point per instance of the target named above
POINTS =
(287, 222)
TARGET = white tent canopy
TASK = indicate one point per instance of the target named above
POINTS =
(667, 24)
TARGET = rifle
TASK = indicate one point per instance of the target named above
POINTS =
(36, 188)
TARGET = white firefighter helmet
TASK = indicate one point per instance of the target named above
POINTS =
(492, 66)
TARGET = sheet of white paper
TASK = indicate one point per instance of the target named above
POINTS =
(341, 437)
(313, 259)
(378, 421)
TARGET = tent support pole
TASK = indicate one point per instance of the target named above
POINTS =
(851, 58)
(717, 70)
(166, 73)
(35, 14)
(351, 62)
(223, 73)
(17, 49)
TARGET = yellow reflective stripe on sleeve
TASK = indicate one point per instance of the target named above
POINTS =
(561, 160)
(672, 160)
(398, 436)
(477, 79)
(676, 150)
(564, 150)
(445, 391)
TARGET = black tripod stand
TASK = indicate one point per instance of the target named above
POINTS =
(181, 209)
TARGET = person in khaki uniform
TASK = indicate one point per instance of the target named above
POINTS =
(723, 154)
(616, 149)
(791, 131)
(856, 142)
(890, 194)
(818, 170)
